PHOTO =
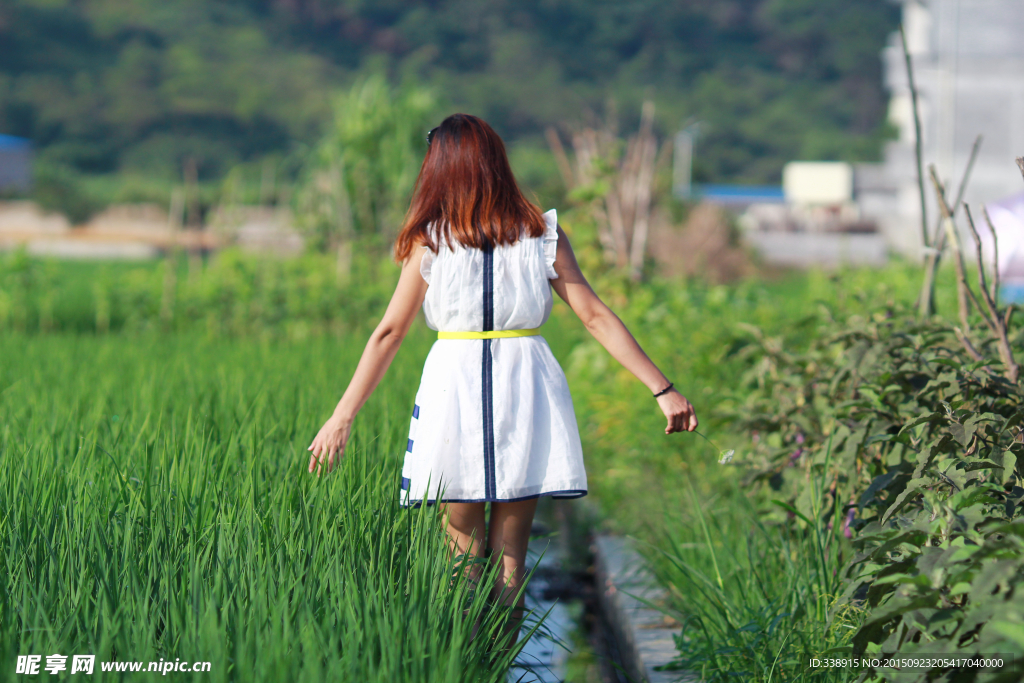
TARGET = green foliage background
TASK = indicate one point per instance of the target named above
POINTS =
(133, 87)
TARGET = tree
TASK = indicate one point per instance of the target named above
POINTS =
(360, 177)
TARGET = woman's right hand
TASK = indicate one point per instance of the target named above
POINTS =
(680, 414)
(329, 444)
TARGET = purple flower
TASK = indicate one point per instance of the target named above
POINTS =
(795, 457)
(847, 531)
(799, 438)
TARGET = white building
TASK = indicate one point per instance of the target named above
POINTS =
(968, 58)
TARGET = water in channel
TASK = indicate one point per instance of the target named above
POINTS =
(573, 644)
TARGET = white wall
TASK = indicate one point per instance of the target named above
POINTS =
(968, 60)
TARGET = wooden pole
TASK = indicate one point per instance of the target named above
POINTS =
(962, 290)
(918, 142)
(926, 300)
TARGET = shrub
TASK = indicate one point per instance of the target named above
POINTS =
(924, 446)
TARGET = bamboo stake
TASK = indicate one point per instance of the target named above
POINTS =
(193, 217)
(918, 142)
(963, 291)
(967, 172)
(926, 300)
(586, 149)
(998, 325)
(982, 283)
(617, 225)
(968, 346)
(174, 222)
(995, 255)
(561, 159)
(648, 151)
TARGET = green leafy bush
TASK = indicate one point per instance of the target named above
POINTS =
(58, 188)
(924, 445)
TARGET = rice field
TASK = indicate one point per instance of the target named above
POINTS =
(155, 507)
(155, 504)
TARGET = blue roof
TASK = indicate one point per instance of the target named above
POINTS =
(11, 142)
(741, 193)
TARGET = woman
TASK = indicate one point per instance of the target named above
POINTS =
(493, 419)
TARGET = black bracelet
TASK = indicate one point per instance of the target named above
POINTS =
(665, 390)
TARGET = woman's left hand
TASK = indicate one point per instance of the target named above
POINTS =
(680, 414)
(329, 444)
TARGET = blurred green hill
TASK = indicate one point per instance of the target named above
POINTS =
(138, 86)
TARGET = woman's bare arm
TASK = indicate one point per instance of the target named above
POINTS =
(612, 334)
(377, 356)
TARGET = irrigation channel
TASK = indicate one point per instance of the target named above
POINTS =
(575, 636)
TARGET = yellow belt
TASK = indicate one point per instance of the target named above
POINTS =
(490, 334)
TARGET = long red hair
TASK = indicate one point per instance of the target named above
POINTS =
(466, 189)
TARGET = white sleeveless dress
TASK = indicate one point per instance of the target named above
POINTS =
(493, 418)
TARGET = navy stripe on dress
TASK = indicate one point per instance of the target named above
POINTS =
(488, 288)
(487, 376)
(558, 495)
(488, 409)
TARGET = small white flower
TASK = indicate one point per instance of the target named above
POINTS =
(726, 456)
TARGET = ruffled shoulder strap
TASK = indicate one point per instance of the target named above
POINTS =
(550, 243)
(426, 263)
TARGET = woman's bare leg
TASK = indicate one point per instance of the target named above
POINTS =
(467, 534)
(466, 529)
(507, 540)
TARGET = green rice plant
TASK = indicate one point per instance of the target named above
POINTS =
(154, 505)
(756, 604)
(232, 294)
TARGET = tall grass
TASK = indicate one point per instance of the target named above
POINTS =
(756, 598)
(154, 503)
